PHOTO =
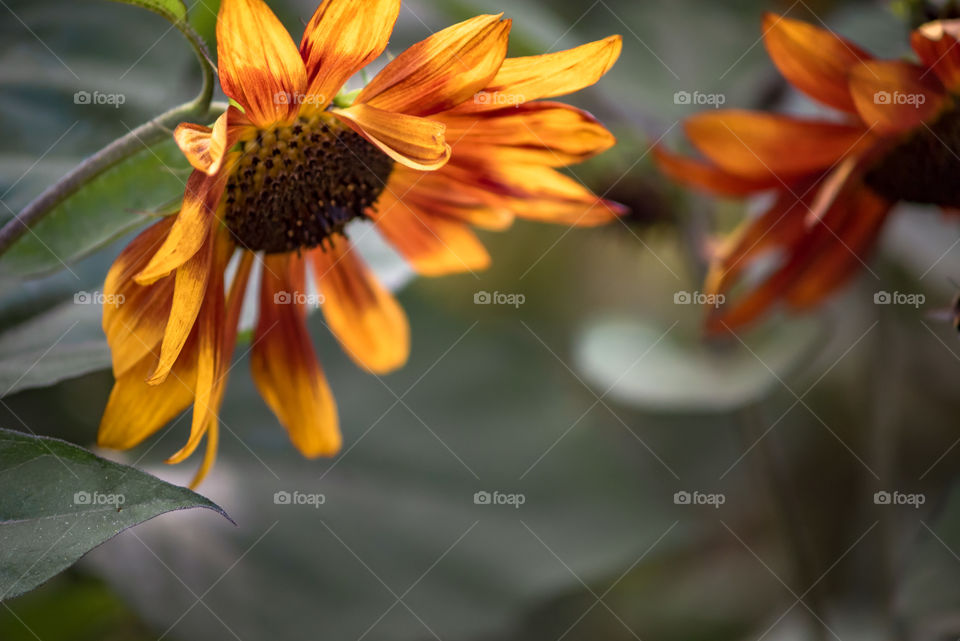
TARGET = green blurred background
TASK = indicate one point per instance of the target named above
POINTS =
(595, 399)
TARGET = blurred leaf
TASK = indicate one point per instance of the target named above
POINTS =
(121, 198)
(651, 368)
(62, 343)
(60, 501)
(172, 10)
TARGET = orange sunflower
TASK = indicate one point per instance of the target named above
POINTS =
(444, 137)
(833, 182)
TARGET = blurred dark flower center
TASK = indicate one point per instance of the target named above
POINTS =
(296, 186)
(924, 167)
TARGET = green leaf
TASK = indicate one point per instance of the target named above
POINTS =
(123, 197)
(172, 10)
(62, 343)
(59, 501)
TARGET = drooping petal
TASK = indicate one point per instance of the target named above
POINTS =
(458, 190)
(343, 37)
(190, 229)
(894, 96)
(135, 316)
(938, 45)
(284, 366)
(757, 145)
(549, 133)
(443, 70)
(708, 177)
(136, 410)
(529, 78)
(189, 292)
(362, 314)
(259, 64)
(433, 245)
(813, 60)
(415, 142)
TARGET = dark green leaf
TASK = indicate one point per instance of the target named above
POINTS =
(59, 501)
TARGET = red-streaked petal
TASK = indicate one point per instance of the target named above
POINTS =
(938, 46)
(757, 145)
(894, 97)
(442, 71)
(813, 60)
(529, 78)
(415, 142)
(361, 313)
(343, 37)
(259, 64)
(284, 366)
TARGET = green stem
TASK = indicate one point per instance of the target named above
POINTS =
(151, 132)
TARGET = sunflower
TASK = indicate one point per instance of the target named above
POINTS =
(833, 181)
(444, 137)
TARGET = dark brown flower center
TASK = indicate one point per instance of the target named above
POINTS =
(296, 186)
(924, 167)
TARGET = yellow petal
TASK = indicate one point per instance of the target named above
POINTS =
(529, 78)
(361, 313)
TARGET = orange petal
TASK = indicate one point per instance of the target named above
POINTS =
(938, 46)
(362, 314)
(136, 410)
(457, 190)
(190, 229)
(415, 142)
(442, 71)
(835, 266)
(813, 60)
(537, 192)
(529, 78)
(757, 145)
(284, 366)
(343, 37)
(135, 316)
(547, 133)
(433, 245)
(260, 66)
(894, 96)
(203, 147)
(707, 177)
(188, 296)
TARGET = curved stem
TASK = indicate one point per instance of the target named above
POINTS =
(153, 131)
